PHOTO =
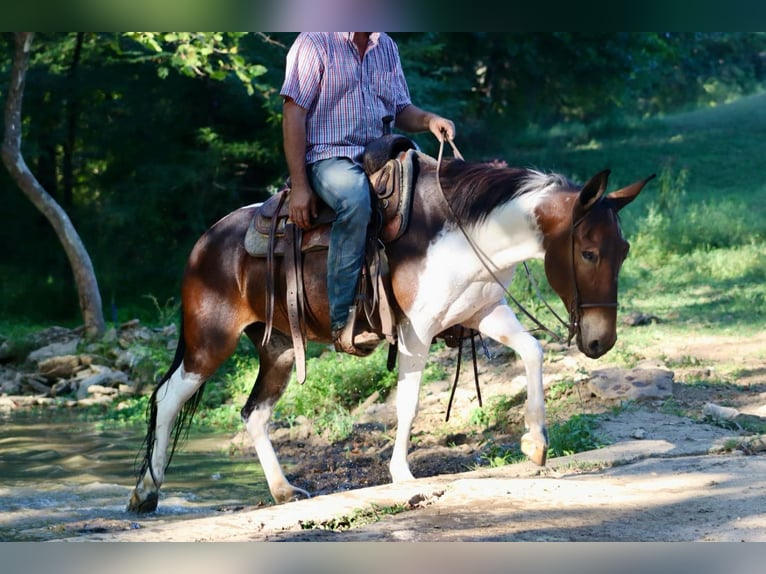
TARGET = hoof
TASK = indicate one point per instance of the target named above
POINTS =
(535, 447)
(145, 506)
(290, 494)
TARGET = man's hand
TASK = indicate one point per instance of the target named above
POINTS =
(414, 120)
(441, 127)
(303, 206)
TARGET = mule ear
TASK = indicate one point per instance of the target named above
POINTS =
(590, 194)
(622, 197)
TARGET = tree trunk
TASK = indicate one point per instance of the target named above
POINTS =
(82, 267)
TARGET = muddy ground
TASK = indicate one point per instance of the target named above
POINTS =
(671, 471)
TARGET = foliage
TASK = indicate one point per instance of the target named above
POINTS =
(199, 54)
(358, 518)
(495, 455)
(576, 434)
(494, 414)
(335, 384)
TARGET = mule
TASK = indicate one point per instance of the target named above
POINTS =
(470, 225)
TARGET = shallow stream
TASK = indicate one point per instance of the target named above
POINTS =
(60, 478)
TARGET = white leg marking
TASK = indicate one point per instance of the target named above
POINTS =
(170, 398)
(412, 358)
(502, 325)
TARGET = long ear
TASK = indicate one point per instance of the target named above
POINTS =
(590, 194)
(622, 197)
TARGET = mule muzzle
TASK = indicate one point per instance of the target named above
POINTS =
(596, 334)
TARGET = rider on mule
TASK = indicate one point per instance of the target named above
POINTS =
(338, 86)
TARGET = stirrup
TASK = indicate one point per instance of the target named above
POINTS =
(359, 344)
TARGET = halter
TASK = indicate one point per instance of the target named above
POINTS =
(575, 312)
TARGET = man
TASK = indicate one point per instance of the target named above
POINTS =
(338, 88)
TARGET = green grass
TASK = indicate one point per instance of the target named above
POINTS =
(358, 518)
(697, 232)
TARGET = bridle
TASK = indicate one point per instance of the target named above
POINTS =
(577, 305)
(575, 311)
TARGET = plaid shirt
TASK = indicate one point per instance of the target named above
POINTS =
(346, 98)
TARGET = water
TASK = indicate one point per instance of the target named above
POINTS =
(60, 477)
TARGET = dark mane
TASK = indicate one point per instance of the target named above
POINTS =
(475, 189)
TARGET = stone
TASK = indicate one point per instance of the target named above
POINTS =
(59, 367)
(68, 347)
(104, 377)
(631, 384)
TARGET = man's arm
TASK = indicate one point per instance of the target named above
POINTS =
(302, 199)
(414, 120)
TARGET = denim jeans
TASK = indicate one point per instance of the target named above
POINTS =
(344, 186)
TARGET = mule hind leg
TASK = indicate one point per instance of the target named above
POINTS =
(200, 353)
(276, 358)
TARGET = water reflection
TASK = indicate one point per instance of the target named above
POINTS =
(60, 477)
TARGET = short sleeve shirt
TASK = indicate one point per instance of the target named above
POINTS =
(346, 97)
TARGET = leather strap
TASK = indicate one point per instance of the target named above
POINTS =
(270, 272)
(294, 295)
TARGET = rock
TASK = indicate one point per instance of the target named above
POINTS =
(104, 377)
(62, 366)
(64, 387)
(635, 384)
(95, 400)
(719, 412)
(637, 319)
(98, 390)
(35, 385)
(7, 405)
(6, 353)
(68, 347)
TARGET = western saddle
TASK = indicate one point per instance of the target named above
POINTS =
(391, 163)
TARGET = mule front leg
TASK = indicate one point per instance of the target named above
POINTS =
(502, 325)
(168, 400)
(412, 357)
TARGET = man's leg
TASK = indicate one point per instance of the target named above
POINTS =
(344, 186)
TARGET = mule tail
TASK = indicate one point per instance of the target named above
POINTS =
(183, 421)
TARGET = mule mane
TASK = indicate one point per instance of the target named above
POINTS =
(475, 189)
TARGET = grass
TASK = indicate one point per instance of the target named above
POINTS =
(356, 519)
(698, 231)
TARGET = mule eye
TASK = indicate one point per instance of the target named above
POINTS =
(589, 256)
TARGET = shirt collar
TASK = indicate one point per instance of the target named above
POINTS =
(374, 36)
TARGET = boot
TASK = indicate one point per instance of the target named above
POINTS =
(347, 340)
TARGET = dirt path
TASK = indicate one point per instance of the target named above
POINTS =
(669, 474)
(659, 491)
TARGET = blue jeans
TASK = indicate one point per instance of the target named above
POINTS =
(344, 186)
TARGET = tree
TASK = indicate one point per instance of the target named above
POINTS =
(79, 260)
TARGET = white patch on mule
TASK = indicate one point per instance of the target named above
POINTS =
(455, 284)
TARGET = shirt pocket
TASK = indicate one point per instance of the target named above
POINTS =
(383, 89)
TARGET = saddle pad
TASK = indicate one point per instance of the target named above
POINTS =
(257, 243)
(278, 206)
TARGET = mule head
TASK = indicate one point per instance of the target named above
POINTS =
(583, 260)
